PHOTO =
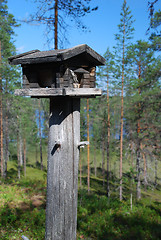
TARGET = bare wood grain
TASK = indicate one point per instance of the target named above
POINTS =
(62, 177)
(53, 92)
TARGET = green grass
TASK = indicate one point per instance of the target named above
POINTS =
(102, 219)
(22, 208)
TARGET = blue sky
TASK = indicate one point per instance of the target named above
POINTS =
(102, 24)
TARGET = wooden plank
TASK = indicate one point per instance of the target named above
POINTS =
(86, 81)
(92, 79)
(83, 92)
(62, 176)
(51, 92)
(86, 75)
(39, 92)
(86, 85)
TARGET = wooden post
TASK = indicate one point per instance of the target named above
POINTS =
(63, 157)
(62, 177)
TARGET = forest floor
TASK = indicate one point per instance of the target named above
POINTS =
(22, 209)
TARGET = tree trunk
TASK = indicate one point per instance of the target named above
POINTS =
(40, 136)
(132, 164)
(131, 149)
(36, 155)
(138, 172)
(139, 144)
(6, 132)
(80, 170)
(103, 158)
(108, 139)
(18, 152)
(95, 162)
(24, 155)
(88, 147)
(156, 168)
(56, 25)
(7, 144)
(122, 115)
(145, 169)
(145, 172)
(21, 145)
(1, 119)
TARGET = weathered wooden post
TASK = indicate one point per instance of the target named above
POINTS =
(64, 76)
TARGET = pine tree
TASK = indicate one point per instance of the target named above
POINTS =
(105, 75)
(155, 25)
(142, 104)
(7, 48)
(156, 34)
(123, 40)
(14, 111)
(54, 14)
(88, 147)
(108, 71)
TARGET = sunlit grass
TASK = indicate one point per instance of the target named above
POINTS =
(22, 204)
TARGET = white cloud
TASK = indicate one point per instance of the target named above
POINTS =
(20, 49)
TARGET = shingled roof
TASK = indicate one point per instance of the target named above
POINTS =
(37, 56)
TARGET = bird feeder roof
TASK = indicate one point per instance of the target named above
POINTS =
(35, 57)
(81, 70)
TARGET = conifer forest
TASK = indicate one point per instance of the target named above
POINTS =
(119, 181)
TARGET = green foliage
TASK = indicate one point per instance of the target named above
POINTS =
(7, 24)
(121, 71)
(17, 222)
(142, 103)
(102, 218)
(99, 217)
(155, 26)
(125, 27)
(22, 210)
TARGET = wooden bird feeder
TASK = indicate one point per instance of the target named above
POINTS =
(64, 76)
(69, 68)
